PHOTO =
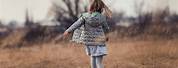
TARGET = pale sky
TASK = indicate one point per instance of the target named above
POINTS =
(150, 5)
(15, 9)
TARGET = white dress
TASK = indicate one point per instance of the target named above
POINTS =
(94, 50)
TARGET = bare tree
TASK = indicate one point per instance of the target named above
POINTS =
(66, 11)
(139, 7)
(143, 18)
(28, 19)
(1, 23)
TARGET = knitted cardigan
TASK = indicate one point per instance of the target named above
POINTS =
(90, 29)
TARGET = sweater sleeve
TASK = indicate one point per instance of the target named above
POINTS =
(105, 26)
(76, 25)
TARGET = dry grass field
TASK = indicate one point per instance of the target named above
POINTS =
(122, 54)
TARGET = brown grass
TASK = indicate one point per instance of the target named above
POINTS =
(122, 54)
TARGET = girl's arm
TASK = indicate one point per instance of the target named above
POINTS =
(105, 26)
(76, 25)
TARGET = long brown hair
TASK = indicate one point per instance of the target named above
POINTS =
(99, 6)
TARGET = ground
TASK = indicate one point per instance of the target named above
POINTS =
(121, 54)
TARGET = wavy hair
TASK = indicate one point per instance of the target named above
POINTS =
(100, 6)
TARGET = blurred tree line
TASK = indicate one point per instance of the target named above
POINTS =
(161, 22)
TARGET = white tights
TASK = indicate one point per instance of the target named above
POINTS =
(96, 62)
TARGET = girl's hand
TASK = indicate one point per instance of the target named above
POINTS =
(65, 34)
(107, 39)
(61, 37)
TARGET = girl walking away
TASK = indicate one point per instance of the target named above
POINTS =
(91, 29)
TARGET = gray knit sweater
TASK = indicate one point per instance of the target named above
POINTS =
(90, 29)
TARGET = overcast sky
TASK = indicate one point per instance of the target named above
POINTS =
(15, 9)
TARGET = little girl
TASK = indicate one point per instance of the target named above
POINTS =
(93, 29)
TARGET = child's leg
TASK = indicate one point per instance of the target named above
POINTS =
(93, 62)
(99, 62)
